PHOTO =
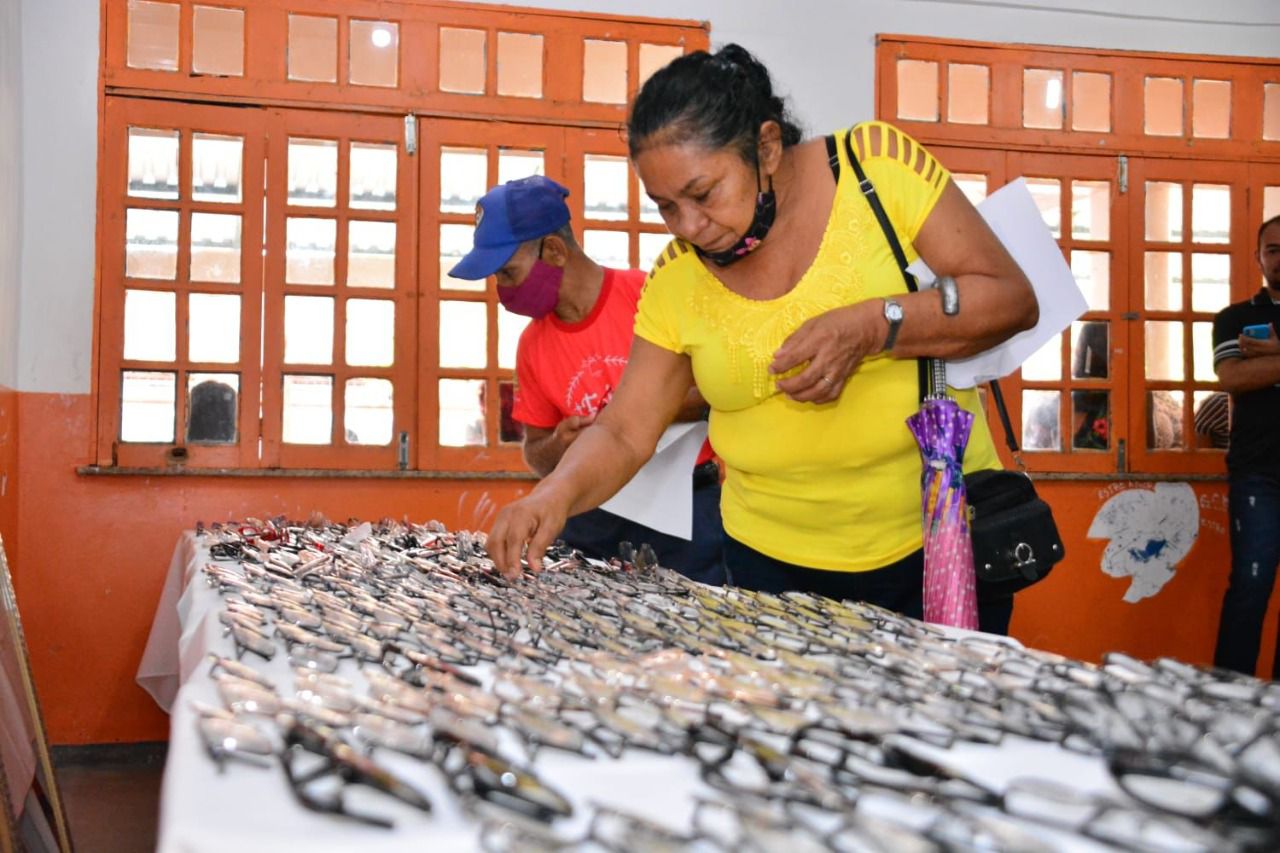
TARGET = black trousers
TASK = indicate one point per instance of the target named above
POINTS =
(898, 586)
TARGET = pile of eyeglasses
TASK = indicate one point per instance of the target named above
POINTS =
(815, 724)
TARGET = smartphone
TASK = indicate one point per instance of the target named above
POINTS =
(1261, 331)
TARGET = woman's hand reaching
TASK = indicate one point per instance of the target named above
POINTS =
(533, 521)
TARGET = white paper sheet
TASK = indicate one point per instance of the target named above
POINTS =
(1013, 216)
(660, 495)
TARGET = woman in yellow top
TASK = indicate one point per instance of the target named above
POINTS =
(781, 297)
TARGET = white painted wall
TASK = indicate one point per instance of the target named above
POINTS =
(10, 187)
(821, 52)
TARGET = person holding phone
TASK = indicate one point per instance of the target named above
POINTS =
(1246, 357)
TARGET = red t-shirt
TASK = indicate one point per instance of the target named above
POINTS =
(565, 369)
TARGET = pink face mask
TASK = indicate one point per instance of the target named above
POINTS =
(537, 295)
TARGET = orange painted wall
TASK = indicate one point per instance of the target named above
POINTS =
(95, 551)
(9, 471)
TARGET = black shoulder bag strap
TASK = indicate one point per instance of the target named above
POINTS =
(868, 189)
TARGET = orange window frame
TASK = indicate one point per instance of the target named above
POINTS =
(282, 108)
(1126, 155)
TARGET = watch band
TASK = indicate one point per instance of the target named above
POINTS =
(950, 295)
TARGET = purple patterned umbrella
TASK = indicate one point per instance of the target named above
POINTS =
(941, 428)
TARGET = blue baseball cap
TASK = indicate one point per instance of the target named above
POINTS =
(508, 215)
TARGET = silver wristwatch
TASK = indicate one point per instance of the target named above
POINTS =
(893, 314)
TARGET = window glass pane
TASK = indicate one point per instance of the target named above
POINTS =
(308, 410)
(216, 167)
(604, 71)
(917, 90)
(515, 163)
(1210, 213)
(215, 247)
(455, 241)
(1164, 212)
(608, 248)
(462, 61)
(968, 87)
(605, 186)
(520, 65)
(1210, 282)
(974, 187)
(1271, 111)
(371, 254)
(1090, 420)
(1211, 109)
(1163, 111)
(310, 250)
(212, 407)
(1270, 203)
(464, 178)
(1090, 349)
(153, 39)
(369, 411)
(651, 245)
(1163, 281)
(147, 410)
(1047, 193)
(373, 176)
(464, 334)
(1092, 271)
(153, 163)
(1164, 419)
(1042, 98)
(1164, 350)
(655, 56)
(313, 49)
(313, 172)
(1202, 352)
(1041, 428)
(151, 243)
(510, 326)
(1045, 364)
(510, 430)
(375, 53)
(1090, 210)
(1091, 102)
(308, 330)
(462, 412)
(150, 325)
(213, 328)
(371, 332)
(648, 209)
(217, 41)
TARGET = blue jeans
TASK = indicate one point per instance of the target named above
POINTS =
(898, 586)
(597, 533)
(1253, 511)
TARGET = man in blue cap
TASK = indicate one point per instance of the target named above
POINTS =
(571, 357)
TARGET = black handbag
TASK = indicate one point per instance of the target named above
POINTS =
(1015, 539)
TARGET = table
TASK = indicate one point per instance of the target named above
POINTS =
(246, 808)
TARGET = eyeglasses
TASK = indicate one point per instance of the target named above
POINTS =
(314, 756)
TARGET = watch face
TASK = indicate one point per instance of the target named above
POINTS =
(893, 311)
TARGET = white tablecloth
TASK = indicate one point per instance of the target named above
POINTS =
(247, 808)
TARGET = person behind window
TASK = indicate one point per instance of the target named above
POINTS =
(212, 417)
(571, 357)
(781, 296)
(1213, 420)
(1249, 370)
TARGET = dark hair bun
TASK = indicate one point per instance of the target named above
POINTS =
(718, 100)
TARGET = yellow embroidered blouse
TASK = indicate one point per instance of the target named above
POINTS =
(834, 486)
